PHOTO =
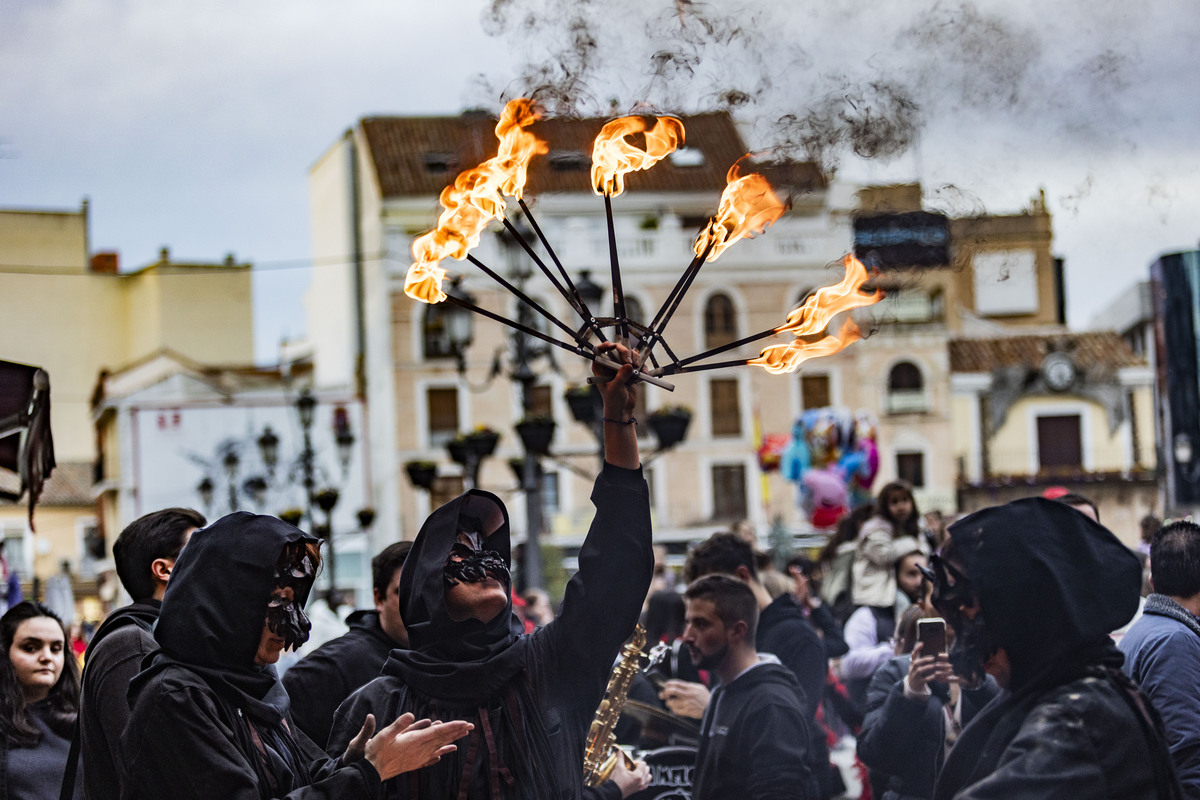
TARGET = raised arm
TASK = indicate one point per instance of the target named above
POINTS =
(620, 398)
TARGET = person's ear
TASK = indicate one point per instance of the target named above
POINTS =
(737, 631)
(161, 569)
(742, 573)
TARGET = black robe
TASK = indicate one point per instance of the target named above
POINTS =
(318, 683)
(531, 697)
(206, 723)
(1051, 584)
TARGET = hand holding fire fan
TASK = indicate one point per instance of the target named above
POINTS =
(748, 207)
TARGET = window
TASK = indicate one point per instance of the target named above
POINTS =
(814, 391)
(442, 404)
(726, 410)
(435, 334)
(550, 501)
(543, 404)
(910, 467)
(12, 533)
(1060, 442)
(720, 321)
(729, 492)
(905, 389)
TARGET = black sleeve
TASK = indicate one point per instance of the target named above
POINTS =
(316, 688)
(604, 599)
(179, 743)
(835, 643)
(801, 651)
(350, 715)
(777, 745)
(899, 735)
(605, 791)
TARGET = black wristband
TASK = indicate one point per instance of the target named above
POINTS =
(631, 421)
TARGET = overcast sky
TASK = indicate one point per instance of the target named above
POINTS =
(192, 125)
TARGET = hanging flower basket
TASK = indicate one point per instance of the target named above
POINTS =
(421, 473)
(536, 434)
(670, 424)
(585, 403)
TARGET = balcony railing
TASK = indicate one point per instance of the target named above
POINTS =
(907, 401)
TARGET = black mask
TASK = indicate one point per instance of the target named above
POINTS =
(973, 645)
(474, 567)
(286, 618)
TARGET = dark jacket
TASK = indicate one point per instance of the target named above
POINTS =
(754, 739)
(785, 632)
(904, 739)
(1162, 655)
(206, 723)
(318, 683)
(1051, 583)
(830, 629)
(114, 657)
(531, 696)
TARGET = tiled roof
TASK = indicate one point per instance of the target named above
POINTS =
(1097, 348)
(419, 156)
(70, 484)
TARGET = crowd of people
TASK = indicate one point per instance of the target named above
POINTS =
(975, 660)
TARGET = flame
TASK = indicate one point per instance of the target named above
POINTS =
(474, 200)
(613, 154)
(748, 207)
(811, 319)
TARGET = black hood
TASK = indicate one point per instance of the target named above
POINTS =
(449, 658)
(422, 588)
(216, 603)
(1050, 581)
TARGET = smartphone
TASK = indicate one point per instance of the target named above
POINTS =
(931, 633)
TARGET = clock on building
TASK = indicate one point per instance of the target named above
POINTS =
(1059, 371)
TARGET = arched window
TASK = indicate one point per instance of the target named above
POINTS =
(720, 321)
(906, 389)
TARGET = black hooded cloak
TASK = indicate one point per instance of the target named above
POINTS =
(1051, 585)
(206, 722)
(531, 697)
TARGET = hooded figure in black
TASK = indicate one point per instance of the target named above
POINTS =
(530, 696)
(210, 719)
(1032, 589)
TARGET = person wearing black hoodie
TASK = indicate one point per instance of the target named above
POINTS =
(144, 554)
(209, 715)
(531, 696)
(754, 738)
(1032, 589)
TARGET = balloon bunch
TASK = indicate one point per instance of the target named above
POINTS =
(833, 459)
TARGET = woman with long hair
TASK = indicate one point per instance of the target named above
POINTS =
(209, 716)
(895, 516)
(39, 702)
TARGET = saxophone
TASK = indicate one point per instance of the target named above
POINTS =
(601, 754)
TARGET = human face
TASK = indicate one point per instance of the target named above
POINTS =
(271, 645)
(705, 635)
(388, 606)
(908, 575)
(900, 506)
(37, 654)
(481, 600)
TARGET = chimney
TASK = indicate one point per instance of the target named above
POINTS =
(106, 262)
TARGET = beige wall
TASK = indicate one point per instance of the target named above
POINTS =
(74, 322)
(1013, 448)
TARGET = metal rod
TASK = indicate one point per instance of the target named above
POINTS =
(677, 369)
(576, 348)
(526, 299)
(726, 347)
(615, 268)
(573, 297)
(671, 304)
